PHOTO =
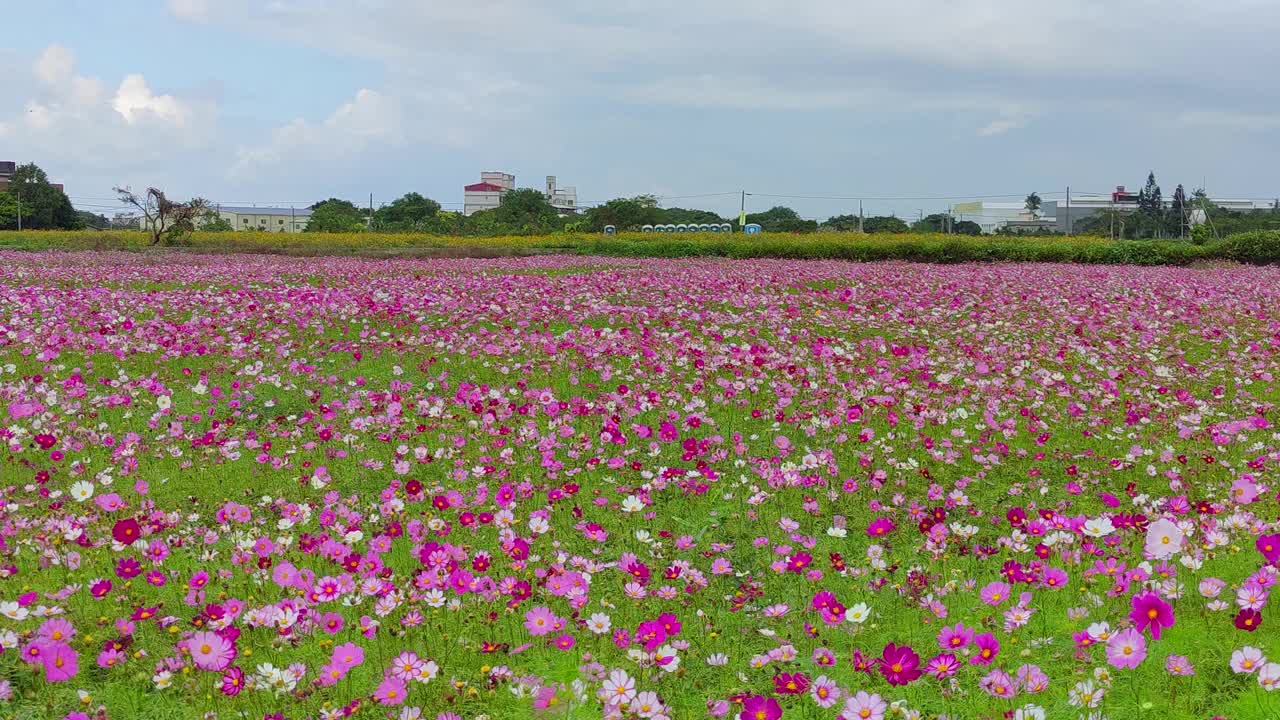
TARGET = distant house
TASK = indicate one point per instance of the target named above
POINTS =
(563, 199)
(486, 194)
(8, 169)
(265, 219)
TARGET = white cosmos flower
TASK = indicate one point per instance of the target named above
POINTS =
(82, 490)
(857, 614)
(632, 504)
(1099, 527)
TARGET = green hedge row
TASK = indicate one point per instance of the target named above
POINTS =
(1259, 247)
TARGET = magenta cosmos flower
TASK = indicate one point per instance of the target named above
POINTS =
(759, 707)
(1152, 614)
(899, 665)
(1248, 620)
(988, 648)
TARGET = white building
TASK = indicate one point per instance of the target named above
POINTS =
(991, 216)
(486, 194)
(266, 219)
(563, 199)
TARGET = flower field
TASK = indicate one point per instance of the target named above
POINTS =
(252, 486)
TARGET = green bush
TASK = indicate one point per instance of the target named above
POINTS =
(1259, 247)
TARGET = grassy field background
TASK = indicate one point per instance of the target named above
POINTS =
(1260, 248)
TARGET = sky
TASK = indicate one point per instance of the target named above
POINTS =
(904, 103)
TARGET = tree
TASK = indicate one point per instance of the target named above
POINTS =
(334, 215)
(165, 219)
(86, 219)
(676, 216)
(625, 213)
(885, 224)
(209, 219)
(410, 212)
(44, 205)
(1151, 202)
(1178, 211)
(935, 223)
(9, 211)
(526, 211)
(1032, 204)
(966, 227)
(782, 219)
(842, 223)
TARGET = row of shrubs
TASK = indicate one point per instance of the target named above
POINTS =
(1258, 248)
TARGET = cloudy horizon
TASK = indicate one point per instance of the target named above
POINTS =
(293, 101)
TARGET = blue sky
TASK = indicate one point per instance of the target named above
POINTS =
(298, 100)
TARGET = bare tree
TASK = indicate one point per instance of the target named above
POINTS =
(162, 217)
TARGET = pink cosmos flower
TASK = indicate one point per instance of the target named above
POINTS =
(1127, 649)
(1179, 665)
(347, 655)
(1247, 660)
(954, 637)
(232, 681)
(391, 691)
(864, 706)
(540, 621)
(60, 662)
(825, 692)
(997, 683)
(995, 593)
(211, 651)
(943, 666)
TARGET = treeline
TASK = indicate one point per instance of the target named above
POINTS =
(527, 212)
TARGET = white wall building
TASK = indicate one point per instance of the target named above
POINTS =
(267, 219)
(486, 194)
(991, 216)
(563, 199)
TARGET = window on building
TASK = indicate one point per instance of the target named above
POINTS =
(279, 222)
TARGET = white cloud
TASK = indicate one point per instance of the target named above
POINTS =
(55, 65)
(369, 119)
(1012, 117)
(1230, 120)
(136, 103)
(70, 123)
(196, 10)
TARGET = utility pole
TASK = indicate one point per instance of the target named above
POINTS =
(742, 212)
(370, 223)
(1069, 223)
(860, 227)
